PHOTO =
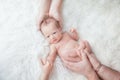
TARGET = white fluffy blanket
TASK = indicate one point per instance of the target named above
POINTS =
(97, 21)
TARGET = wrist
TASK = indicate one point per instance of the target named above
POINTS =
(92, 76)
(44, 76)
(98, 67)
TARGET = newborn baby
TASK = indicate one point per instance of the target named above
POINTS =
(65, 44)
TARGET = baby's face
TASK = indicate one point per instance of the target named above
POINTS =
(52, 33)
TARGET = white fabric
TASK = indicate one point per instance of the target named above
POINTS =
(97, 21)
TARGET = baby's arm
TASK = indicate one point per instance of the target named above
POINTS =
(74, 34)
(52, 55)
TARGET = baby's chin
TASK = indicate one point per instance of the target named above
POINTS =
(55, 41)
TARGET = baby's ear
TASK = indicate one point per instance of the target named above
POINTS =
(60, 28)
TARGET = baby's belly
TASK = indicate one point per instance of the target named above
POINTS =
(68, 52)
(70, 55)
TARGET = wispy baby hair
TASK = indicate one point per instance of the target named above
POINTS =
(48, 19)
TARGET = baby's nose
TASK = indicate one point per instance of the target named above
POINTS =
(52, 37)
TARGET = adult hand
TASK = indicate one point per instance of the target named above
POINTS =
(83, 67)
(57, 16)
(46, 67)
(41, 18)
(93, 60)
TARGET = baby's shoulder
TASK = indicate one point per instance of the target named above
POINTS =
(65, 33)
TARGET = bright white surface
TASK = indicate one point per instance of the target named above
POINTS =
(97, 21)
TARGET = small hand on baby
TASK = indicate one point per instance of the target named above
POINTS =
(74, 34)
(73, 30)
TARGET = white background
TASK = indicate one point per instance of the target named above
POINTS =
(97, 21)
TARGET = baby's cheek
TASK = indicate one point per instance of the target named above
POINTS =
(49, 41)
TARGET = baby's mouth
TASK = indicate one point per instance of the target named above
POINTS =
(55, 40)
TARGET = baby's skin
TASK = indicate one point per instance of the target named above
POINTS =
(67, 47)
(65, 44)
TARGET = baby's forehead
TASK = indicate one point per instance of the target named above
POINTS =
(50, 25)
(46, 29)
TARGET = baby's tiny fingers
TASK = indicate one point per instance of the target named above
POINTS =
(41, 63)
(72, 30)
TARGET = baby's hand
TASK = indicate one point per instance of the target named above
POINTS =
(73, 30)
(74, 34)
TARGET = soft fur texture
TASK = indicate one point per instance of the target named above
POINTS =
(21, 44)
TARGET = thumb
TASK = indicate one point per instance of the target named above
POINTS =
(78, 52)
(83, 54)
(47, 63)
(87, 53)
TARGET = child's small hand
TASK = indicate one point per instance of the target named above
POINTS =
(74, 34)
(72, 30)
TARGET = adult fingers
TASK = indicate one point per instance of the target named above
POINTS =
(41, 63)
(94, 61)
(78, 52)
(73, 59)
(44, 60)
(90, 56)
(48, 63)
(70, 65)
(83, 54)
(86, 52)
